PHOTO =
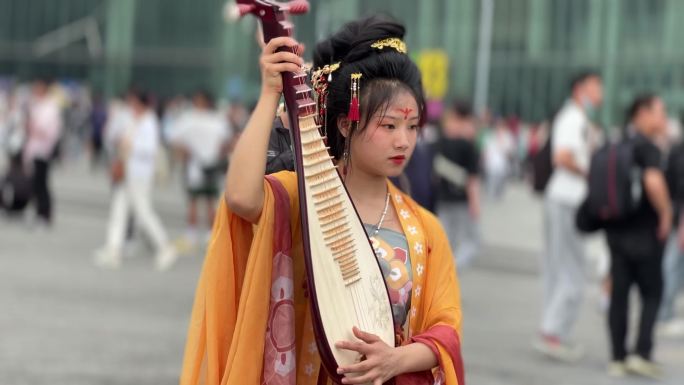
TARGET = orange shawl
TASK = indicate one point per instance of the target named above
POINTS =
(228, 326)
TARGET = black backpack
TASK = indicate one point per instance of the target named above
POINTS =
(542, 167)
(675, 174)
(614, 188)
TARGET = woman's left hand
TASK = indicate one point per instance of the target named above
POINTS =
(379, 366)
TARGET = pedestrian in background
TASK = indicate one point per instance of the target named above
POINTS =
(201, 137)
(457, 166)
(498, 150)
(564, 260)
(44, 130)
(137, 141)
(637, 242)
(673, 260)
(98, 121)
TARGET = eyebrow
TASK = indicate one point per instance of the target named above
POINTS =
(398, 117)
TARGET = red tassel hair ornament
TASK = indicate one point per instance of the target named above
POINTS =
(353, 114)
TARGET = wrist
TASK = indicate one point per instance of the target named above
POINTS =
(267, 104)
(399, 359)
(269, 95)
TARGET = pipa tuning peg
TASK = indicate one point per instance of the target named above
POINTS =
(298, 7)
(233, 12)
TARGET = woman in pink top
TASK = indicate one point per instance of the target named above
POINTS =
(44, 129)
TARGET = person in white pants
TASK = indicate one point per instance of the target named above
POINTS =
(564, 260)
(136, 134)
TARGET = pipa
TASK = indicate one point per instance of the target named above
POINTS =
(345, 282)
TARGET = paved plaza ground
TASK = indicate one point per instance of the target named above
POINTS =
(65, 322)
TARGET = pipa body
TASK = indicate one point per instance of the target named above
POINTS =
(345, 282)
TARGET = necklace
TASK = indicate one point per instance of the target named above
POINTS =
(382, 218)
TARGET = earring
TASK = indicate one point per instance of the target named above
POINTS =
(345, 157)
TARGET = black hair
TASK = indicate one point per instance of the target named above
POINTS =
(207, 95)
(462, 108)
(140, 95)
(384, 73)
(581, 76)
(45, 80)
(641, 101)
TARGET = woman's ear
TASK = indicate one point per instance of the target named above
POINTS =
(344, 125)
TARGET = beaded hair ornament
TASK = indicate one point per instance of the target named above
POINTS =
(322, 77)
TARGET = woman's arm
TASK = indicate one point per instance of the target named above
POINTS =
(244, 182)
(415, 357)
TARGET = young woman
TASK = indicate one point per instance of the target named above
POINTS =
(136, 138)
(227, 341)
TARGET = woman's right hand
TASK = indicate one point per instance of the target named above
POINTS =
(245, 179)
(274, 63)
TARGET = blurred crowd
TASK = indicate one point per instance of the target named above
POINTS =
(137, 139)
(623, 183)
(44, 123)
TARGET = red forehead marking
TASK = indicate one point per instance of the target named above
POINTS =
(405, 111)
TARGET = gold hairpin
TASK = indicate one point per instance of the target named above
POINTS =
(320, 80)
(392, 42)
(317, 75)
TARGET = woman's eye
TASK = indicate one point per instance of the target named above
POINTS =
(414, 127)
(388, 126)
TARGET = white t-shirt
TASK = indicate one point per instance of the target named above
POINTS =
(497, 151)
(570, 132)
(45, 123)
(143, 134)
(202, 134)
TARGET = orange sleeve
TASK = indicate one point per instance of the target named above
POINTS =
(441, 321)
(227, 325)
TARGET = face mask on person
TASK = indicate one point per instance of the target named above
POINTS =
(587, 105)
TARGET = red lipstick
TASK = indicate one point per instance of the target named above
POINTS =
(398, 160)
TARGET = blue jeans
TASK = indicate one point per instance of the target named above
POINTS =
(673, 274)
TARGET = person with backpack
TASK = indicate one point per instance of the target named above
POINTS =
(200, 136)
(563, 263)
(636, 240)
(457, 166)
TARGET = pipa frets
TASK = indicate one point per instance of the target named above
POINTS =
(344, 253)
(327, 194)
(333, 208)
(333, 223)
(332, 215)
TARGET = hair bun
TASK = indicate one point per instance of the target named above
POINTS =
(353, 41)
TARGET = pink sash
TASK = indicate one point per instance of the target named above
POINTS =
(279, 347)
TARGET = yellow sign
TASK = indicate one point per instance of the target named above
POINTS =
(434, 67)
